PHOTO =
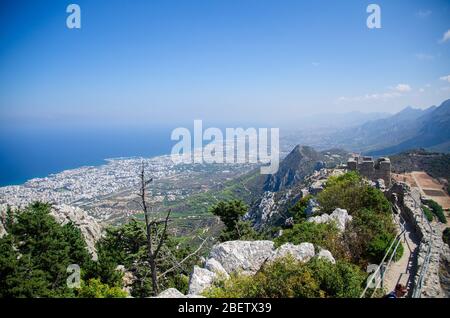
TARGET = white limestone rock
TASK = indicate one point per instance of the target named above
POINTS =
(326, 254)
(312, 207)
(171, 293)
(339, 216)
(90, 229)
(245, 257)
(302, 252)
(200, 280)
(214, 266)
(2, 230)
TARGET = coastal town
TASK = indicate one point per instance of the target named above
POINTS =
(98, 189)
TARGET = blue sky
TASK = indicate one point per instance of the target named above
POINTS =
(224, 61)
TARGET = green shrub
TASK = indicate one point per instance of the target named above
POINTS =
(231, 213)
(127, 245)
(36, 252)
(437, 210)
(94, 288)
(286, 277)
(446, 236)
(299, 208)
(428, 213)
(380, 244)
(351, 192)
(325, 235)
(367, 235)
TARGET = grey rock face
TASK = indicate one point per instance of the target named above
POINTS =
(312, 207)
(90, 229)
(242, 256)
(200, 280)
(171, 293)
(326, 254)
(175, 293)
(214, 266)
(339, 216)
(317, 187)
(2, 230)
(64, 214)
(302, 252)
(289, 222)
(445, 271)
(246, 257)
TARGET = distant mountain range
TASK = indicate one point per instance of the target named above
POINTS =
(410, 128)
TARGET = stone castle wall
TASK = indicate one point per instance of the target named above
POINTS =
(409, 201)
(372, 170)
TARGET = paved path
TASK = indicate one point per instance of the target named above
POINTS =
(403, 271)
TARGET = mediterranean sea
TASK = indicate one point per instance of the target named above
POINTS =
(33, 153)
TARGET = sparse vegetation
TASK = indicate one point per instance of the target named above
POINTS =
(366, 239)
(351, 192)
(446, 236)
(288, 278)
(126, 245)
(325, 235)
(299, 208)
(35, 253)
(437, 210)
(428, 213)
(231, 214)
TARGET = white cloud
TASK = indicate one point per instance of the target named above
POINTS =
(424, 56)
(393, 92)
(421, 90)
(445, 37)
(368, 97)
(445, 78)
(423, 13)
(402, 88)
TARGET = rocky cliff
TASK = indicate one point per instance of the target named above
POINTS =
(243, 257)
(64, 214)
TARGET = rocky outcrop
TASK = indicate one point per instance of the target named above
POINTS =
(298, 164)
(444, 271)
(302, 252)
(175, 293)
(312, 207)
(214, 266)
(200, 279)
(247, 258)
(242, 256)
(90, 229)
(2, 230)
(265, 210)
(64, 214)
(326, 254)
(171, 293)
(127, 279)
(339, 216)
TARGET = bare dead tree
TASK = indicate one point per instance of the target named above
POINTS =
(155, 235)
(178, 264)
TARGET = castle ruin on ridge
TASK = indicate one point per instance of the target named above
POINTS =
(371, 169)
